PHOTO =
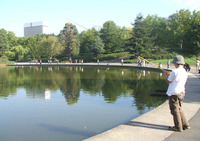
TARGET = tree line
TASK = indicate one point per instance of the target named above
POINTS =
(151, 37)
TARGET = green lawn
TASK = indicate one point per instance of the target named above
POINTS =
(190, 61)
(6, 62)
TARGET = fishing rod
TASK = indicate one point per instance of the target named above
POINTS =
(167, 72)
(77, 24)
(150, 63)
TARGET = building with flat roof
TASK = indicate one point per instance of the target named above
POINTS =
(33, 28)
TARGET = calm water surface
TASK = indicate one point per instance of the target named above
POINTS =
(72, 103)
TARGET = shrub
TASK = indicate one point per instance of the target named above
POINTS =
(105, 57)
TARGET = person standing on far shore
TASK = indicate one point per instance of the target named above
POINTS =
(143, 63)
(197, 64)
(122, 61)
(139, 62)
(168, 63)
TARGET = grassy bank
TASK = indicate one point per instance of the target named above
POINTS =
(190, 61)
(4, 62)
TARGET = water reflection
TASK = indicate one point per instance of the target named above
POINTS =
(38, 93)
(109, 82)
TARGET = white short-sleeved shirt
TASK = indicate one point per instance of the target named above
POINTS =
(197, 62)
(178, 78)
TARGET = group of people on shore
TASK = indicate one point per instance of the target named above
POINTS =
(141, 63)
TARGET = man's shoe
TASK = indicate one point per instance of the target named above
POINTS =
(174, 129)
(186, 127)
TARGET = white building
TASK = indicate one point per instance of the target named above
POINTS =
(38, 93)
(31, 29)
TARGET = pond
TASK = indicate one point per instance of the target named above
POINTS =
(72, 103)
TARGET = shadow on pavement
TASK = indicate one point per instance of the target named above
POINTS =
(147, 125)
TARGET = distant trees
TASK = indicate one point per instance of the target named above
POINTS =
(151, 37)
(185, 32)
(111, 36)
(16, 53)
(142, 36)
(157, 38)
(4, 46)
(91, 44)
(50, 47)
(97, 47)
(87, 39)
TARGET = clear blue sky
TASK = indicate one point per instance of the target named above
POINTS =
(88, 13)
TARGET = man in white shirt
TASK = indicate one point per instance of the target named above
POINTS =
(176, 93)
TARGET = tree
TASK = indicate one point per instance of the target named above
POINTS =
(87, 38)
(157, 28)
(33, 45)
(97, 47)
(179, 24)
(4, 46)
(24, 42)
(127, 36)
(194, 33)
(50, 47)
(12, 39)
(69, 38)
(19, 52)
(142, 36)
(111, 36)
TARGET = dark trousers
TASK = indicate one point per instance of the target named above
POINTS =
(176, 110)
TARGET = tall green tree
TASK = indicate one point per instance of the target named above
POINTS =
(12, 39)
(33, 45)
(142, 36)
(126, 35)
(87, 39)
(19, 52)
(193, 34)
(50, 47)
(4, 46)
(69, 38)
(157, 28)
(97, 47)
(111, 36)
(180, 25)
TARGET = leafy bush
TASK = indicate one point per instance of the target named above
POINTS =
(106, 57)
(131, 61)
(45, 60)
(3, 60)
(101, 57)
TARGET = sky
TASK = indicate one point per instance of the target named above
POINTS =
(85, 14)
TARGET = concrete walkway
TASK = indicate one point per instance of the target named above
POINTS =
(153, 126)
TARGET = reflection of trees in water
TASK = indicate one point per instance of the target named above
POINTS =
(92, 80)
(7, 85)
(112, 83)
(71, 87)
(144, 86)
(71, 91)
